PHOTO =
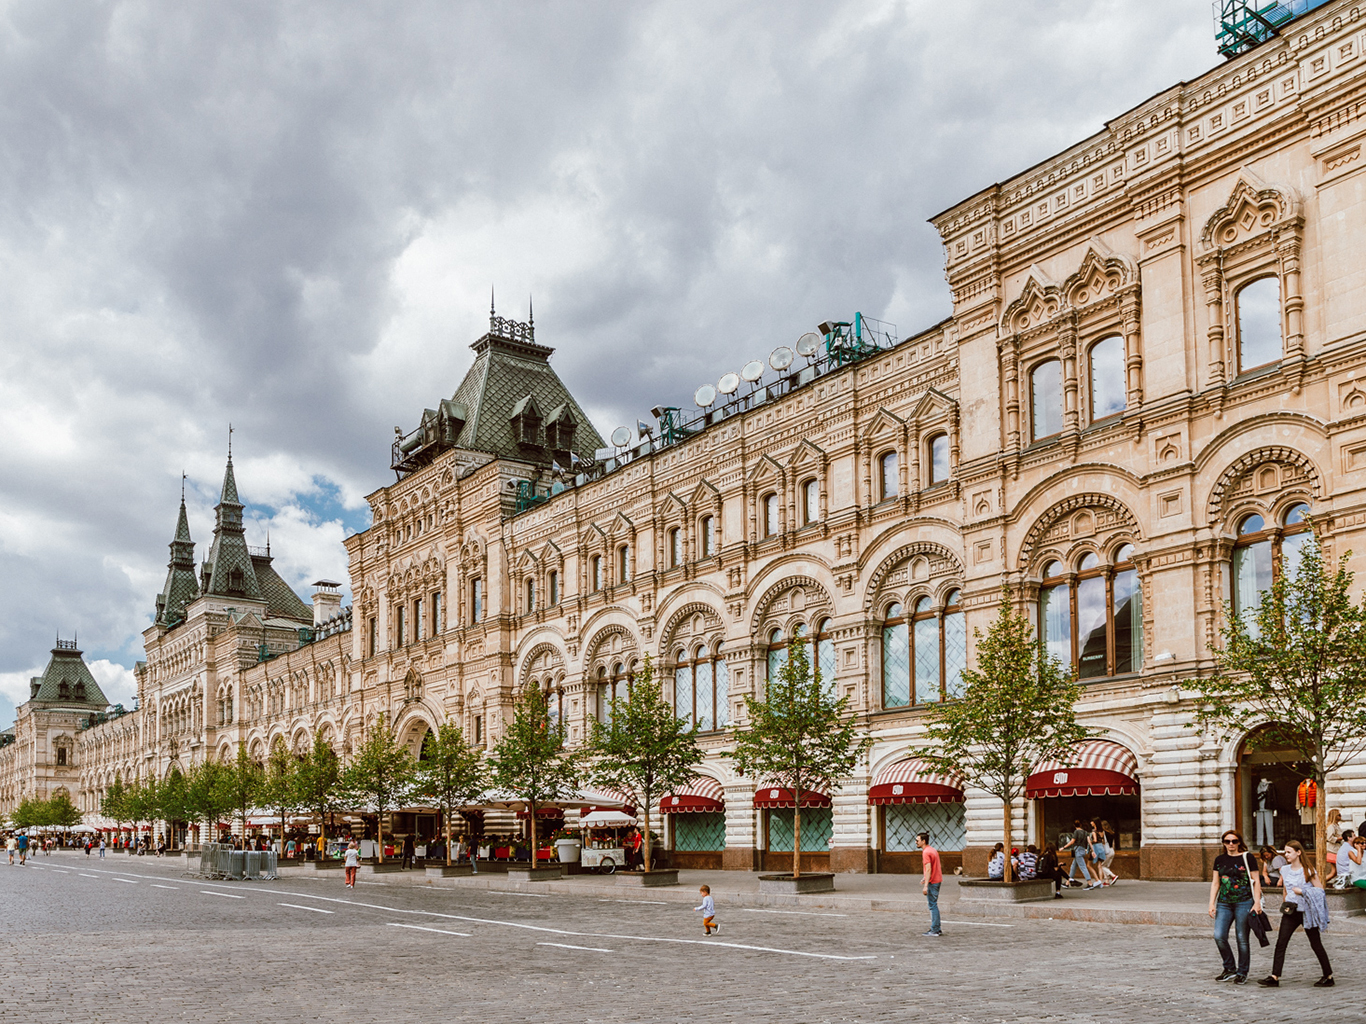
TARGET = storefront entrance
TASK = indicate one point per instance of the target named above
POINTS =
(1098, 780)
(1273, 804)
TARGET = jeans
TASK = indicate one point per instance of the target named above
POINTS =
(1235, 914)
(1266, 822)
(1079, 860)
(932, 897)
(1289, 922)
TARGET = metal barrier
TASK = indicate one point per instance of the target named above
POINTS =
(219, 860)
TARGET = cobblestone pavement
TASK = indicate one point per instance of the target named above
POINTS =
(122, 940)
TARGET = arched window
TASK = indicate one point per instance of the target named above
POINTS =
(675, 548)
(530, 596)
(1259, 323)
(617, 686)
(811, 501)
(596, 567)
(923, 653)
(1262, 553)
(1092, 616)
(896, 658)
(937, 451)
(770, 505)
(777, 653)
(624, 564)
(888, 476)
(553, 586)
(707, 527)
(1045, 400)
(702, 688)
(1107, 377)
(554, 702)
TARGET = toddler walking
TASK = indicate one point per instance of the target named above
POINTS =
(708, 909)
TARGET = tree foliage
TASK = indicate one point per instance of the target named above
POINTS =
(317, 779)
(645, 750)
(114, 806)
(1296, 666)
(208, 793)
(381, 773)
(451, 774)
(279, 784)
(35, 813)
(530, 760)
(244, 782)
(1018, 709)
(799, 735)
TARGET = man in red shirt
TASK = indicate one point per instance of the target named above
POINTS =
(931, 875)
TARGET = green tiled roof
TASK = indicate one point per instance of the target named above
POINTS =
(280, 599)
(229, 571)
(67, 681)
(181, 586)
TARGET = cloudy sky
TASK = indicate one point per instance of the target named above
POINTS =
(288, 216)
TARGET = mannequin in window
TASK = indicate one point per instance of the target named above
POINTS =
(1265, 807)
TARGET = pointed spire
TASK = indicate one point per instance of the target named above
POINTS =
(229, 495)
(182, 527)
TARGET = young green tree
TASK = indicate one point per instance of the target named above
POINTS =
(174, 800)
(531, 762)
(209, 793)
(1017, 709)
(645, 750)
(114, 806)
(61, 811)
(29, 814)
(244, 781)
(452, 774)
(144, 802)
(381, 773)
(280, 786)
(318, 781)
(1298, 664)
(799, 735)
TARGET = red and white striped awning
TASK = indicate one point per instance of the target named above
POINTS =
(611, 800)
(1094, 768)
(913, 782)
(769, 795)
(700, 796)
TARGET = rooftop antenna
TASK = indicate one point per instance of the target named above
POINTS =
(491, 312)
(182, 487)
(530, 312)
(229, 442)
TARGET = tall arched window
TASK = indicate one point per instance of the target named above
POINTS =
(1262, 553)
(702, 688)
(624, 564)
(707, 528)
(1259, 323)
(530, 596)
(675, 548)
(811, 501)
(617, 686)
(888, 476)
(923, 653)
(937, 451)
(777, 653)
(553, 586)
(1092, 616)
(1045, 400)
(1107, 377)
(770, 504)
(596, 567)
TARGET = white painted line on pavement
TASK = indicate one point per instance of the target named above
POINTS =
(565, 931)
(586, 949)
(155, 886)
(655, 903)
(979, 924)
(419, 928)
(125, 881)
(505, 892)
(59, 871)
(800, 913)
(225, 895)
(296, 906)
(95, 877)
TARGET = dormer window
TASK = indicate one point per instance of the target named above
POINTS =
(63, 691)
(526, 422)
(559, 429)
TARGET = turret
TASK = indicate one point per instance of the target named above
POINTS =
(181, 586)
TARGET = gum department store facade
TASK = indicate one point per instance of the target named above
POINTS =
(1151, 369)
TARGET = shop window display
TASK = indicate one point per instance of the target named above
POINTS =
(704, 832)
(818, 824)
(946, 823)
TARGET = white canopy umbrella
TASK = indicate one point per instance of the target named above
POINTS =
(606, 819)
(83, 828)
(505, 801)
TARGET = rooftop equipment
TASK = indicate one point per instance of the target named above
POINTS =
(1239, 25)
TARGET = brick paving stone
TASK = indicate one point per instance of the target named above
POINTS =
(93, 950)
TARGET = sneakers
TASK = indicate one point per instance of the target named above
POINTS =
(1325, 982)
(1057, 895)
(1227, 976)
(1269, 982)
(1240, 979)
(716, 929)
(1094, 885)
(933, 932)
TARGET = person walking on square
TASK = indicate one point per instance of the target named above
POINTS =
(931, 878)
(1078, 846)
(101, 848)
(1049, 868)
(1304, 893)
(11, 844)
(1235, 893)
(352, 863)
(708, 908)
(23, 848)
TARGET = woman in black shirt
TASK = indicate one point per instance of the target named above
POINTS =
(1235, 893)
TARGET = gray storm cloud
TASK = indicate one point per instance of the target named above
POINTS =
(289, 215)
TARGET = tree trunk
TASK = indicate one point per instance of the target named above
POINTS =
(1321, 825)
(645, 816)
(379, 850)
(446, 814)
(1006, 831)
(797, 834)
(533, 835)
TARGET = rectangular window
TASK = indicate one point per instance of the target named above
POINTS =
(926, 661)
(675, 548)
(1128, 622)
(478, 728)
(1056, 618)
(477, 600)
(374, 635)
(417, 620)
(708, 536)
(624, 564)
(683, 694)
(554, 588)
(402, 625)
(596, 566)
(1092, 645)
(896, 666)
(436, 612)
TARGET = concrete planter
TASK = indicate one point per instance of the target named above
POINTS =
(1341, 902)
(387, 868)
(454, 871)
(818, 881)
(567, 850)
(668, 876)
(325, 865)
(981, 890)
(552, 874)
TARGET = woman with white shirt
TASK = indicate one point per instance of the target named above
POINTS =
(1304, 905)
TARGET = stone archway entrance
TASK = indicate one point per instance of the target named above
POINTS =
(1272, 804)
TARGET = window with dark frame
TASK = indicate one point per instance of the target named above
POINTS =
(702, 687)
(1262, 553)
(1045, 400)
(1091, 617)
(924, 652)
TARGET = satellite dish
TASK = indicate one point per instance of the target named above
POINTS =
(752, 370)
(728, 384)
(808, 343)
(780, 358)
(704, 396)
(621, 437)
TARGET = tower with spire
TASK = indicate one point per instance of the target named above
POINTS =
(181, 585)
(229, 571)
